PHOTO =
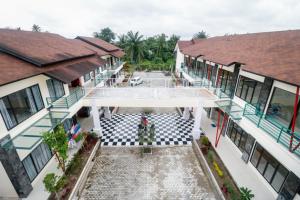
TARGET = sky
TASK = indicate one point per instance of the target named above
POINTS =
(71, 18)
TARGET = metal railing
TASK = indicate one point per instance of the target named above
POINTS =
(279, 132)
(66, 101)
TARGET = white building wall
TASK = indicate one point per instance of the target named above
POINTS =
(179, 58)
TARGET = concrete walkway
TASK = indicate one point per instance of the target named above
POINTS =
(169, 173)
(244, 174)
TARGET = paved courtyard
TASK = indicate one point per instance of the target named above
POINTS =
(169, 173)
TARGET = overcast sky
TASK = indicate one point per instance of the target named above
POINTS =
(182, 17)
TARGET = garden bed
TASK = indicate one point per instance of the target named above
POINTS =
(221, 174)
(75, 167)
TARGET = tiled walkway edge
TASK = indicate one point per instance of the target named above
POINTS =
(207, 170)
(84, 174)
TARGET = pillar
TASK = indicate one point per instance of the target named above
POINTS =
(107, 113)
(186, 113)
(96, 119)
(196, 130)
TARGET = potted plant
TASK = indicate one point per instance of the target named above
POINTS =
(205, 144)
(246, 193)
(54, 183)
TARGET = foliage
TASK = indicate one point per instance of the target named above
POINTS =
(134, 47)
(105, 34)
(200, 35)
(204, 141)
(58, 143)
(54, 183)
(246, 193)
(36, 28)
(218, 170)
(79, 137)
(74, 164)
(210, 156)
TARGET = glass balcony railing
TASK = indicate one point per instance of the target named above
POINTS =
(115, 66)
(67, 101)
(267, 123)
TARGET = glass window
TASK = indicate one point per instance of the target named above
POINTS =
(248, 90)
(19, 106)
(36, 160)
(87, 77)
(279, 177)
(290, 188)
(281, 107)
(56, 88)
(271, 166)
(262, 163)
(256, 155)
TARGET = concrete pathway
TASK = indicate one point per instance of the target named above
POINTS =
(169, 173)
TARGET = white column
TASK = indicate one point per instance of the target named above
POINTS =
(96, 119)
(107, 113)
(186, 113)
(196, 130)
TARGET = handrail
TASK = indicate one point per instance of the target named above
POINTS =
(278, 131)
(66, 101)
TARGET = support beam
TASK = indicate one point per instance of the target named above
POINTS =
(197, 122)
(96, 119)
(186, 113)
(225, 118)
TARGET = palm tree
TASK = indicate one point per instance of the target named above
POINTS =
(161, 45)
(122, 41)
(134, 47)
(36, 28)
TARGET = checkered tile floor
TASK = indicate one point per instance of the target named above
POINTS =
(170, 129)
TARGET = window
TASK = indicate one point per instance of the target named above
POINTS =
(19, 106)
(226, 81)
(240, 138)
(87, 77)
(290, 188)
(281, 108)
(36, 160)
(248, 90)
(269, 167)
(56, 88)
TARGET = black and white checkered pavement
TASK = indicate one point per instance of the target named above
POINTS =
(122, 130)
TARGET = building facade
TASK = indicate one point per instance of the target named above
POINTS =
(256, 76)
(42, 81)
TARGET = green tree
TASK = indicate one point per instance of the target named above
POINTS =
(246, 194)
(161, 45)
(134, 47)
(200, 35)
(58, 143)
(122, 42)
(106, 34)
(36, 28)
(54, 183)
(172, 42)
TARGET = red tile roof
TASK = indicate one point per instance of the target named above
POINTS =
(40, 48)
(271, 54)
(101, 44)
(99, 51)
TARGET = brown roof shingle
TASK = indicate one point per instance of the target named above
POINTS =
(271, 54)
(40, 48)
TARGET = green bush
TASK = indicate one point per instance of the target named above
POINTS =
(246, 193)
(204, 141)
(210, 156)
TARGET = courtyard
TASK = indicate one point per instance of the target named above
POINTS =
(168, 173)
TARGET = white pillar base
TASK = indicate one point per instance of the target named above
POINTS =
(186, 113)
(96, 119)
(196, 133)
(98, 132)
(107, 113)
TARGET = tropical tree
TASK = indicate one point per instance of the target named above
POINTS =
(36, 28)
(172, 42)
(122, 41)
(134, 47)
(58, 143)
(105, 34)
(161, 45)
(200, 35)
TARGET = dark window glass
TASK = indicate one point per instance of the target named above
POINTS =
(271, 166)
(87, 77)
(56, 88)
(36, 160)
(19, 106)
(256, 155)
(281, 107)
(279, 177)
(262, 163)
(248, 90)
(290, 188)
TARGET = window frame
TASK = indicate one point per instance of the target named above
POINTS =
(13, 110)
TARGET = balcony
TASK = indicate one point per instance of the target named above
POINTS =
(276, 130)
(115, 66)
(67, 101)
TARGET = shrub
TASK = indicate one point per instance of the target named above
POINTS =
(210, 156)
(218, 170)
(246, 194)
(204, 141)
(54, 183)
